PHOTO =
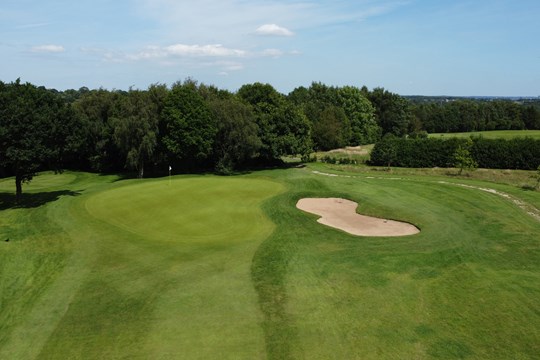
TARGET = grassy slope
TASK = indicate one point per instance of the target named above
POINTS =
(86, 276)
(44, 262)
(467, 286)
(495, 134)
(128, 294)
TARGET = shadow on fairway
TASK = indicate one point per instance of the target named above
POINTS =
(32, 200)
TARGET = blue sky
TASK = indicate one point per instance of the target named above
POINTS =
(437, 47)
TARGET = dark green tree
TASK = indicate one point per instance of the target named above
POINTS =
(331, 129)
(361, 115)
(392, 111)
(385, 151)
(94, 109)
(359, 125)
(236, 139)
(531, 117)
(135, 124)
(283, 128)
(35, 131)
(190, 128)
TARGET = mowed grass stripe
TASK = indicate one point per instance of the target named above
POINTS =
(41, 266)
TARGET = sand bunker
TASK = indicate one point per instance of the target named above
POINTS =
(341, 214)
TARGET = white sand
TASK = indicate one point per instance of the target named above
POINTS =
(341, 214)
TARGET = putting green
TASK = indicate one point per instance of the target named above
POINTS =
(187, 210)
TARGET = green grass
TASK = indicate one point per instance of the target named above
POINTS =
(495, 134)
(227, 268)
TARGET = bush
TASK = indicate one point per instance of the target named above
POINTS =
(334, 160)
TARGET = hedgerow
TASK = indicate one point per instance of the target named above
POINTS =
(518, 153)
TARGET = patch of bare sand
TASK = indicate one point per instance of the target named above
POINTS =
(341, 214)
(352, 150)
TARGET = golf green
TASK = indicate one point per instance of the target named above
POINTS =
(191, 210)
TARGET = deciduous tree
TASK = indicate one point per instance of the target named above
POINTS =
(189, 125)
(135, 123)
(35, 130)
(283, 128)
(236, 140)
(463, 158)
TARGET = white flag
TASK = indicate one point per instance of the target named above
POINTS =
(170, 168)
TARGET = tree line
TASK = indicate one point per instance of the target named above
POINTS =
(465, 115)
(192, 126)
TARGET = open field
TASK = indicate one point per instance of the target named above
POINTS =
(495, 134)
(207, 267)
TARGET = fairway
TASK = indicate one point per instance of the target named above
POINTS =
(495, 134)
(209, 267)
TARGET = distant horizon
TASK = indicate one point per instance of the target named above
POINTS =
(525, 97)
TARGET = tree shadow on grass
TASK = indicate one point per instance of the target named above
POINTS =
(32, 200)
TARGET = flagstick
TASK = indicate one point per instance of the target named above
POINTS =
(170, 168)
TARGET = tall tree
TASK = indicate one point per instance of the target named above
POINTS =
(94, 109)
(358, 126)
(135, 124)
(236, 140)
(329, 131)
(35, 126)
(393, 112)
(361, 115)
(283, 128)
(190, 128)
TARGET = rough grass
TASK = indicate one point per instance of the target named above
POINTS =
(495, 134)
(226, 267)
(358, 154)
(523, 179)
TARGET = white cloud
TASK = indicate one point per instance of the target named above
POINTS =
(213, 50)
(273, 30)
(183, 50)
(48, 49)
(220, 21)
(275, 53)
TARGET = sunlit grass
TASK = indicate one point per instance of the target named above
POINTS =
(227, 267)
